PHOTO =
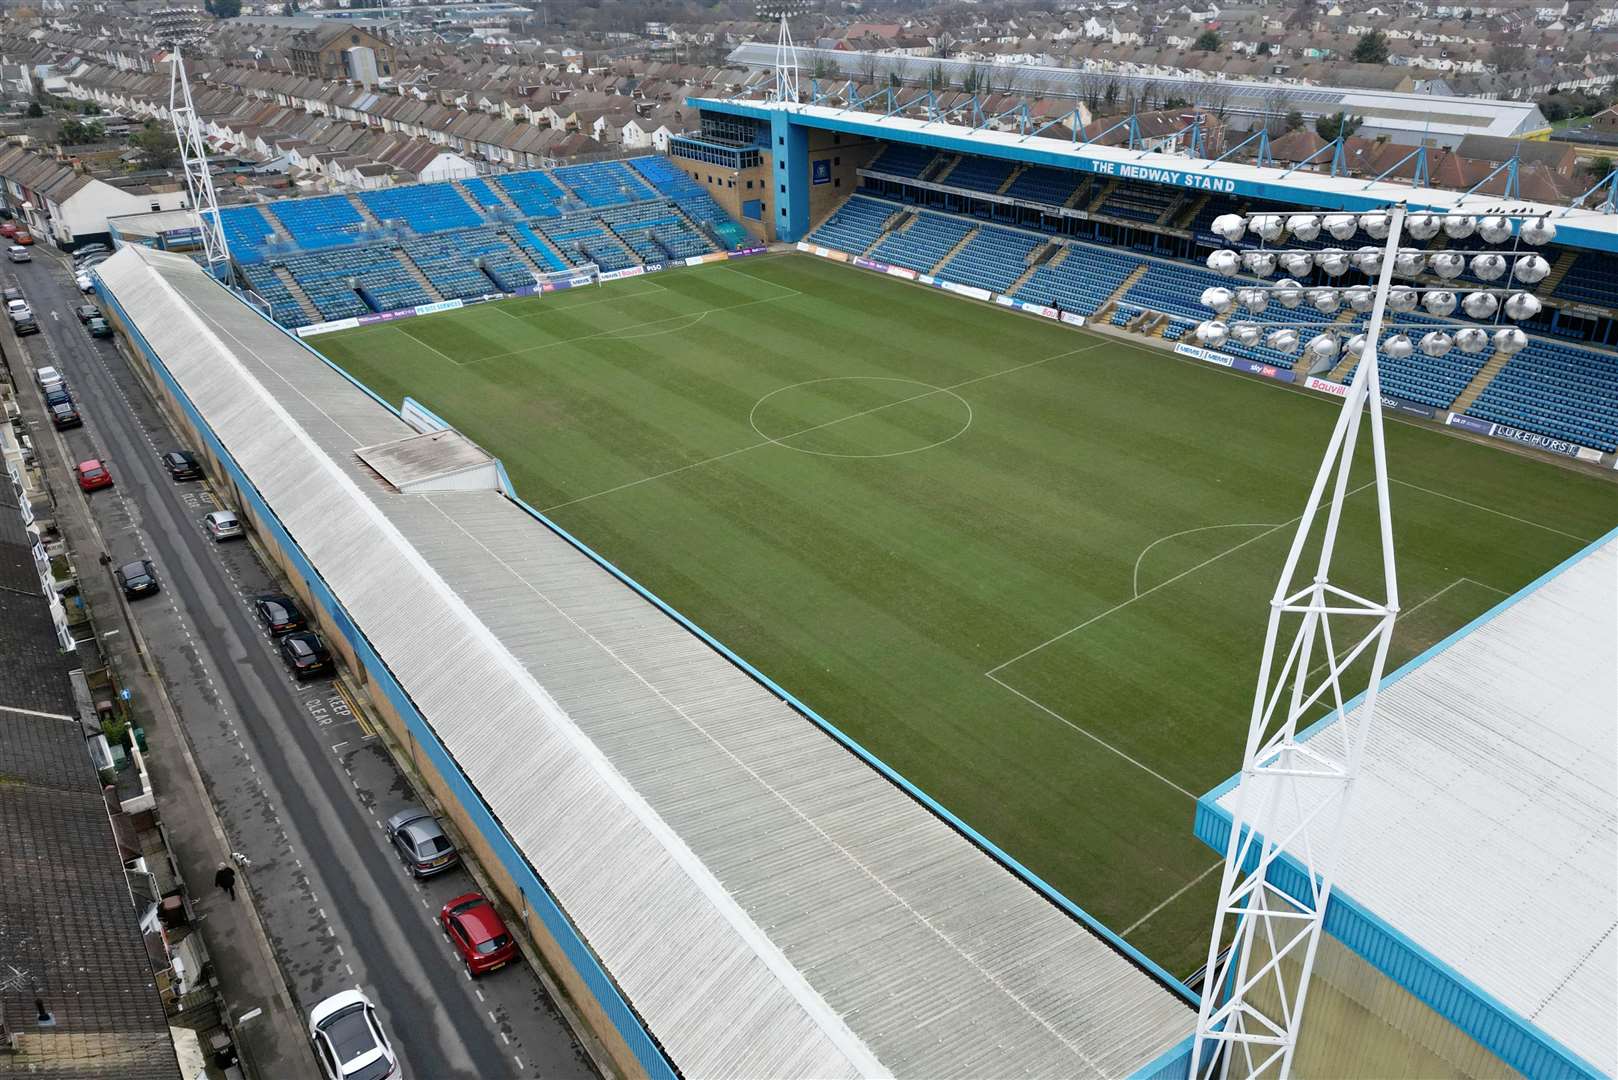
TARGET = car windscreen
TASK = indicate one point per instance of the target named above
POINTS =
(350, 1033)
(300, 648)
(275, 611)
(499, 941)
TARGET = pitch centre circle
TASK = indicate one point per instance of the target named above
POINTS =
(860, 416)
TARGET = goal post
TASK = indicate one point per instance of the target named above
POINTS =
(588, 274)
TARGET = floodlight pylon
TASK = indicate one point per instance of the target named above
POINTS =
(194, 162)
(1294, 795)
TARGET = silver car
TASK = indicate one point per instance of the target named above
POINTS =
(420, 843)
(224, 525)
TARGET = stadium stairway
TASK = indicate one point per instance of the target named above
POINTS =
(1480, 382)
(523, 256)
(1172, 211)
(1104, 312)
(495, 189)
(1081, 192)
(1189, 214)
(1011, 178)
(1102, 196)
(900, 220)
(971, 234)
(370, 219)
(284, 276)
(1564, 262)
(941, 167)
(416, 275)
(1052, 253)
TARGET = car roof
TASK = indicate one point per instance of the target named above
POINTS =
(407, 815)
(179, 455)
(222, 515)
(481, 920)
(90, 463)
(136, 567)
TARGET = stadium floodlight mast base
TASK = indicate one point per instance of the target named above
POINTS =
(194, 162)
(1252, 1005)
(1289, 818)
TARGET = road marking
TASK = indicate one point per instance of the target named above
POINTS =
(246, 1016)
(517, 1059)
(322, 914)
(479, 993)
(350, 969)
(1488, 510)
(503, 1035)
(339, 950)
(492, 1020)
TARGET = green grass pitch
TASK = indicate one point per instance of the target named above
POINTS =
(1026, 565)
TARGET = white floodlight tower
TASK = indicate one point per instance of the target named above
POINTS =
(194, 160)
(786, 53)
(1294, 795)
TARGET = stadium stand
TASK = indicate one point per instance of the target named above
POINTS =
(482, 194)
(925, 240)
(979, 174)
(534, 193)
(1593, 279)
(902, 159)
(604, 183)
(855, 225)
(246, 230)
(424, 208)
(1557, 390)
(319, 223)
(1040, 184)
(993, 259)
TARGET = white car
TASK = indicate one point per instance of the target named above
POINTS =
(84, 283)
(18, 310)
(18, 253)
(349, 1040)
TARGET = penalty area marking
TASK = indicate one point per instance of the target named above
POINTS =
(1188, 532)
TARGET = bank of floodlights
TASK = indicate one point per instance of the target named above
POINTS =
(1489, 303)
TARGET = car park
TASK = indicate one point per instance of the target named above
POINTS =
(306, 654)
(223, 525)
(99, 327)
(478, 933)
(182, 465)
(86, 312)
(92, 474)
(136, 578)
(66, 415)
(19, 254)
(420, 843)
(349, 1040)
(279, 614)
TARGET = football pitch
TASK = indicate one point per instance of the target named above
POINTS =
(1028, 566)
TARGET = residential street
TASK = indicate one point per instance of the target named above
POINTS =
(299, 782)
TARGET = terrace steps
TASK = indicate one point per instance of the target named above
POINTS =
(1171, 211)
(1051, 253)
(279, 229)
(959, 244)
(527, 260)
(898, 221)
(1340, 370)
(1559, 269)
(1011, 179)
(1106, 191)
(1104, 312)
(284, 276)
(415, 273)
(1480, 382)
(1189, 214)
(371, 220)
(1079, 193)
(940, 168)
(496, 189)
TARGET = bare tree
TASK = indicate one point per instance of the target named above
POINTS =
(868, 68)
(1275, 112)
(1216, 99)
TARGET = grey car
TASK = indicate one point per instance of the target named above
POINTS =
(420, 843)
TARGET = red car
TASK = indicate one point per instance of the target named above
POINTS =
(477, 930)
(92, 474)
(8, 228)
(22, 236)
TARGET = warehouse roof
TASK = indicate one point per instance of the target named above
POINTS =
(769, 903)
(1485, 826)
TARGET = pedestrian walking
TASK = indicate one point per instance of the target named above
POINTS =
(225, 878)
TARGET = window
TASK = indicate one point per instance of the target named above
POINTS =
(750, 185)
(781, 140)
(837, 182)
(783, 189)
(354, 39)
(837, 161)
(733, 183)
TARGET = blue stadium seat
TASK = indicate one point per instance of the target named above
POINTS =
(323, 222)
(604, 183)
(424, 208)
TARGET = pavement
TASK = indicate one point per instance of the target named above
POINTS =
(299, 780)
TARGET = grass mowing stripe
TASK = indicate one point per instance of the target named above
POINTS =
(880, 590)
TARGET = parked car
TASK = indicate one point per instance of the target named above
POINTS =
(420, 843)
(99, 327)
(89, 251)
(18, 253)
(224, 525)
(58, 396)
(24, 327)
(84, 283)
(349, 1040)
(137, 578)
(86, 312)
(182, 465)
(18, 309)
(65, 415)
(306, 654)
(22, 236)
(92, 475)
(279, 614)
(12, 293)
(478, 933)
(48, 379)
(8, 229)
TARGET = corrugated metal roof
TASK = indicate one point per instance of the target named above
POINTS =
(1485, 825)
(770, 904)
(422, 459)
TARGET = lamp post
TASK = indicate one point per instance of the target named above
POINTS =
(1290, 812)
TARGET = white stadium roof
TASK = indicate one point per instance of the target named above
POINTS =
(1485, 826)
(768, 903)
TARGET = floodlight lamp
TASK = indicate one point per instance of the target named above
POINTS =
(1376, 225)
(1440, 302)
(1481, 305)
(1212, 333)
(1305, 227)
(1510, 340)
(1488, 267)
(1472, 340)
(1398, 347)
(1494, 229)
(1436, 343)
(1322, 347)
(1325, 300)
(1254, 300)
(1537, 231)
(1360, 298)
(1246, 333)
(1230, 226)
(1283, 341)
(1447, 264)
(1459, 226)
(1259, 263)
(1531, 269)
(1288, 293)
(1367, 260)
(1403, 299)
(1267, 226)
(1423, 226)
(1409, 263)
(1522, 305)
(1355, 347)
(1224, 261)
(1341, 226)
(1297, 263)
(1219, 299)
(1333, 262)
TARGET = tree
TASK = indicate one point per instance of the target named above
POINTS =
(1263, 49)
(1293, 122)
(157, 147)
(1330, 127)
(1207, 41)
(74, 132)
(1372, 48)
(936, 79)
(224, 9)
(1599, 167)
(34, 110)
(1508, 57)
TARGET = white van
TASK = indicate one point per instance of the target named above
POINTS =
(18, 253)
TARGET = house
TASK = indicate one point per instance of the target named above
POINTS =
(67, 205)
(324, 54)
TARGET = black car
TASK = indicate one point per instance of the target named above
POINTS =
(99, 327)
(279, 614)
(306, 654)
(137, 578)
(24, 327)
(182, 465)
(65, 416)
(12, 293)
(86, 312)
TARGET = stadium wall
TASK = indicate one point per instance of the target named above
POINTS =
(631, 1048)
(1428, 981)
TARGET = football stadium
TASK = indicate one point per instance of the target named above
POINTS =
(821, 576)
